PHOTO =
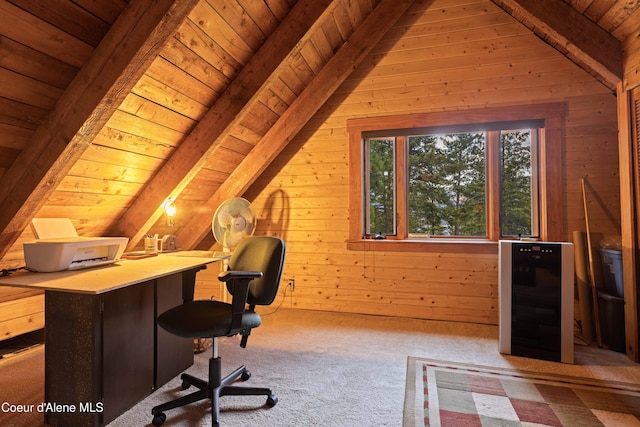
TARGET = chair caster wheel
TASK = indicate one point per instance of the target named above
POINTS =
(245, 375)
(272, 400)
(185, 385)
(159, 419)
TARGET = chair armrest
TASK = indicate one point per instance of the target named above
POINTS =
(235, 275)
(240, 283)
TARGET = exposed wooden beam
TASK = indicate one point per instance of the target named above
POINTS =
(229, 109)
(574, 35)
(124, 54)
(337, 69)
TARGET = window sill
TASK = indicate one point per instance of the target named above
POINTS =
(466, 246)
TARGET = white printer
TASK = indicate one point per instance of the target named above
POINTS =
(58, 247)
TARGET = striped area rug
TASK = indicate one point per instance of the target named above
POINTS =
(450, 394)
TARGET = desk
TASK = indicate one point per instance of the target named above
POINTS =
(103, 349)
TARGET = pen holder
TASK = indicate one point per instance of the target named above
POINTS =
(151, 245)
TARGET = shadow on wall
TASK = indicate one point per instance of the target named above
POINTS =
(275, 215)
(598, 203)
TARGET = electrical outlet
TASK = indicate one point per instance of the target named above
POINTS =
(292, 284)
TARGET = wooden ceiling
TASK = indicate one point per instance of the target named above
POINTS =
(620, 18)
(109, 107)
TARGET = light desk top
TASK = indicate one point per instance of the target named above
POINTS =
(98, 280)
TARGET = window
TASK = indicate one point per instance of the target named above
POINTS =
(381, 186)
(446, 186)
(463, 177)
(519, 196)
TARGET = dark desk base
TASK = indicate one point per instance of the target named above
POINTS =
(104, 353)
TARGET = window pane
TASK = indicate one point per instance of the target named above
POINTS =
(519, 186)
(381, 200)
(447, 185)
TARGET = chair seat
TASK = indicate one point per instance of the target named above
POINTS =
(204, 318)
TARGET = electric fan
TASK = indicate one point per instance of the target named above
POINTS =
(234, 220)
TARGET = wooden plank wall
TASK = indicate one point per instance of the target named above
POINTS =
(445, 56)
(631, 60)
(21, 311)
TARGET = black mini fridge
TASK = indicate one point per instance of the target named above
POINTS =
(535, 283)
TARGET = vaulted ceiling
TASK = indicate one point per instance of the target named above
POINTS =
(110, 107)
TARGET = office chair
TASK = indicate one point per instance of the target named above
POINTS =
(252, 279)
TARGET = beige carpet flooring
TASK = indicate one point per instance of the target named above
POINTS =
(332, 369)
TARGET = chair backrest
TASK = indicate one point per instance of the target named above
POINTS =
(265, 254)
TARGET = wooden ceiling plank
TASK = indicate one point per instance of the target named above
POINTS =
(290, 84)
(356, 14)
(261, 14)
(265, 114)
(321, 43)
(618, 14)
(211, 175)
(167, 73)
(301, 67)
(598, 9)
(69, 17)
(22, 115)
(22, 27)
(107, 77)
(63, 198)
(628, 29)
(312, 57)
(332, 34)
(107, 155)
(580, 5)
(362, 40)
(129, 143)
(13, 136)
(129, 123)
(214, 24)
(279, 8)
(274, 102)
(241, 23)
(229, 109)
(244, 133)
(27, 90)
(343, 21)
(177, 52)
(166, 96)
(31, 63)
(106, 10)
(148, 110)
(193, 36)
(101, 186)
(587, 43)
(256, 126)
(111, 172)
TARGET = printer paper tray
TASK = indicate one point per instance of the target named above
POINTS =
(87, 264)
